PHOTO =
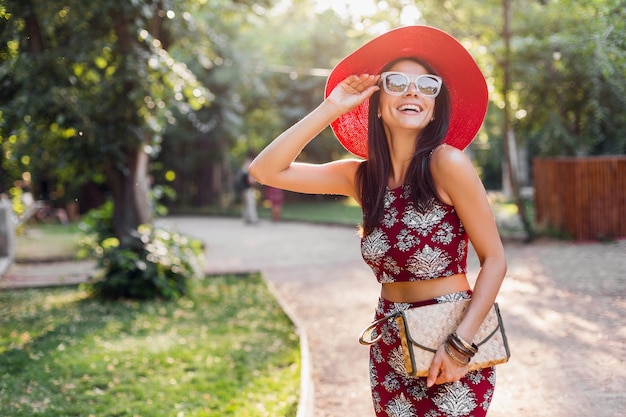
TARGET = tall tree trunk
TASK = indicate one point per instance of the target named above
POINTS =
(508, 139)
(130, 187)
(131, 198)
(35, 39)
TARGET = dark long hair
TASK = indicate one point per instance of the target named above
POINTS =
(373, 174)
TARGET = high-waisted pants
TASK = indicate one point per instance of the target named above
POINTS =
(395, 394)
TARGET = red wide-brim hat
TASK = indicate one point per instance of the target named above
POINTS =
(450, 60)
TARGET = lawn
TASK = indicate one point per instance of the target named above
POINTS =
(338, 211)
(45, 242)
(226, 350)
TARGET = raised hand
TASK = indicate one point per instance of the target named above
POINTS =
(352, 91)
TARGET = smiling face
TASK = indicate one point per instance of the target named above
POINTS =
(409, 111)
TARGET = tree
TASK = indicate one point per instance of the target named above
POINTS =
(509, 144)
(265, 82)
(199, 149)
(571, 101)
(87, 89)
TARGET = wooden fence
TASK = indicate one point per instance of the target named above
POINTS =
(582, 197)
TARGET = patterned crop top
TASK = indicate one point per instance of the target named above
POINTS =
(415, 244)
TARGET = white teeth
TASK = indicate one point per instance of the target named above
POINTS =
(411, 107)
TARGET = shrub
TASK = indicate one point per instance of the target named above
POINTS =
(157, 263)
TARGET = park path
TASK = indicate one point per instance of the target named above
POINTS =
(564, 307)
(563, 304)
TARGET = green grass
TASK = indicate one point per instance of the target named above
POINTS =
(339, 211)
(40, 242)
(226, 350)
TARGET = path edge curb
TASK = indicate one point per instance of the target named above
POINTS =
(307, 393)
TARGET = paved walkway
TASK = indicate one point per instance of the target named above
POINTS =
(563, 304)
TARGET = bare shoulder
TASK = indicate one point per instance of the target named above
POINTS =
(449, 161)
(454, 174)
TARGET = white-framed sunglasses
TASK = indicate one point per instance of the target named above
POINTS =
(397, 83)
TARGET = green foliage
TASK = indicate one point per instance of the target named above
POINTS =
(570, 77)
(227, 350)
(86, 88)
(98, 223)
(198, 83)
(261, 85)
(17, 202)
(154, 263)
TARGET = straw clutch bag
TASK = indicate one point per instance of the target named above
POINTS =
(424, 329)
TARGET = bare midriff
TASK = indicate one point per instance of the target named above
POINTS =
(411, 292)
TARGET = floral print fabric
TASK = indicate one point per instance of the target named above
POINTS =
(395, 394)
(415, 243)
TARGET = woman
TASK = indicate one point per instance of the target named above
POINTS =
(408, 102)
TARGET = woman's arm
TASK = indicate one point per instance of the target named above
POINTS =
(458, 184)
(275, 165)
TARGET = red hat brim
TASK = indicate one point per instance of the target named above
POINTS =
(460, 73)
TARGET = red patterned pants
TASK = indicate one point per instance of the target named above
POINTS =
(395, 394)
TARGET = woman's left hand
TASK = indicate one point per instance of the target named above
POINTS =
(444, 369)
